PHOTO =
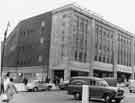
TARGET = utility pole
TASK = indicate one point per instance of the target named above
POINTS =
(3, 50)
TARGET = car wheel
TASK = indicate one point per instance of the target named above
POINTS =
(130, 91)
(117, 101)
(35, 89)
(107, 99)
(77, 96)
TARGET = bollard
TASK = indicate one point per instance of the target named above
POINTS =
(85, 94)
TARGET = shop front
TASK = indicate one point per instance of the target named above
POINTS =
(101, 73)
(124, 73)
(78, 73)
(122, 77)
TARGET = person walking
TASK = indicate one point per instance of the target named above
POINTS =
(10, 90)
(5, 85)
(2, 86)
(6, 81)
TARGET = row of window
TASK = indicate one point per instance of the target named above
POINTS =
(80, 32)
(103, 44)
(124, 50)
(28, 32)
(29, 60)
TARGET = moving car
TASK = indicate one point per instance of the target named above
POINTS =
(98, 89)
(36, 85)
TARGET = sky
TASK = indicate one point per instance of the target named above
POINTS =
(118, 12)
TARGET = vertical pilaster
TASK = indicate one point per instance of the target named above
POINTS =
(132, 57)
(115, 53)
(67, 70)
(91, 45)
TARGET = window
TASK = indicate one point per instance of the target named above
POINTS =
(64, 15)
(41, 40)
(43, 24)
(40, 58)
(101, 83)
(79, 82)
(92, 82)
(80, 30)
(75, 54)
(80, 56)
(62, 50)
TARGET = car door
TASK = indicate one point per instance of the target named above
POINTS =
(92, 88)
(96, 89)
(42, 85)
(100, 89)
(77, 85)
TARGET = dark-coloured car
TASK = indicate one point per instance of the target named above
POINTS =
(111, 81)
(98, 89)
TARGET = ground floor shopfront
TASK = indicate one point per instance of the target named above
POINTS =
(98, 70)
(34, 72)
(73, 69)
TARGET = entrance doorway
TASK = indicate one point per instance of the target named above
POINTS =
(58, 74)
(123, 76)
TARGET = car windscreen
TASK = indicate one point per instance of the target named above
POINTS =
(111, 82)
(102, 83)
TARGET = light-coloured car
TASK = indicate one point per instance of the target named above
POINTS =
(131, 86)
(36, 85)
(20, 86)
(63, 85)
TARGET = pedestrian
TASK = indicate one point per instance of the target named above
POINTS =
(2, 86)
(6, 81)
(25, 81)
(10, 90)
(61, 80)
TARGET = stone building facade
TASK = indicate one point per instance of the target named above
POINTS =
(71, 41)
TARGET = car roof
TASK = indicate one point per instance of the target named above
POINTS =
(87, 77)
(109, 78)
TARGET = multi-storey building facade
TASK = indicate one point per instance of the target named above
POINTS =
(70, 41)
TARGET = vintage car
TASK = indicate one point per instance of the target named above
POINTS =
(37, 85)
(63, 85)
(98, 89)
(131, 86)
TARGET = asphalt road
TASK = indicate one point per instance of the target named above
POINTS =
(45, 97)
(56, 97)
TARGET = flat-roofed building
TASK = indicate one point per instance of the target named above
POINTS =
(70, 41)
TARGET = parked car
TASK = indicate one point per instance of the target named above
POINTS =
(36, 85)
(20, 86)
(131, 86)
(98, 89)
(63, 85)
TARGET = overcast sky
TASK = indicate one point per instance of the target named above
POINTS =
(118, 12)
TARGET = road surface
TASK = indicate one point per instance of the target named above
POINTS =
(56, 97)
